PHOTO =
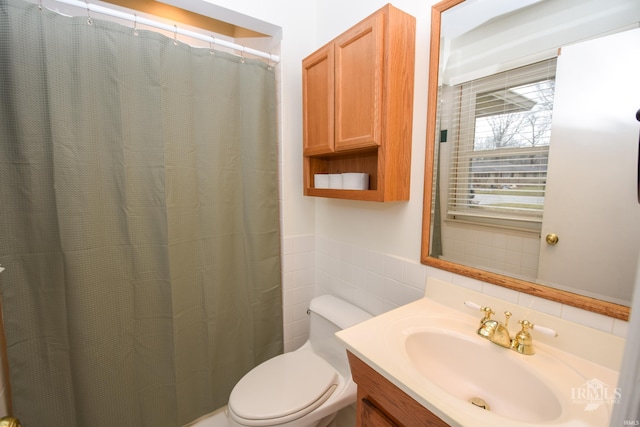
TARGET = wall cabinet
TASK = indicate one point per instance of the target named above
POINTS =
(358, 107)
(382, 404)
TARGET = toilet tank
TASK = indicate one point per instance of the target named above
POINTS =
(329, 315)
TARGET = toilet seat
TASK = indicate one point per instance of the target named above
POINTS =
(282, 389)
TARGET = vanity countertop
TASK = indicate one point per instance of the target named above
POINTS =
(584, 391)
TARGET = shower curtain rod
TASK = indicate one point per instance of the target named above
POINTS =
(174, 29)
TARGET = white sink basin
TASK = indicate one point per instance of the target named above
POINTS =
(433, 353)
(467, 368)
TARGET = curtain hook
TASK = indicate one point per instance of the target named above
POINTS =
(40, 5)
(89, 20)
(242, 55)
(211, 44)
(135, 24)
(175, 35)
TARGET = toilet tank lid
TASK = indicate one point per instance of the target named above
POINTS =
(338, 311)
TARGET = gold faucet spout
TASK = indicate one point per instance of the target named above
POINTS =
(496, 332)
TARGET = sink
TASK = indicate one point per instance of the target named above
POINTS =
(470, 368)
(432, 352)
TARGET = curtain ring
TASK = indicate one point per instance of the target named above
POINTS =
(211, 44)
(135, 24)
(175, 35)
(89, 20)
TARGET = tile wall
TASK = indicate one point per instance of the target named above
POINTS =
(378, 282)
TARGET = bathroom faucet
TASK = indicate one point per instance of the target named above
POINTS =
(498, 333)
(495, 331)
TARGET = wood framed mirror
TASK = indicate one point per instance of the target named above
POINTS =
(574, 297)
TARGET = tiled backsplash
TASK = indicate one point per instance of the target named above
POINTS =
(378, 282)
(514, 253)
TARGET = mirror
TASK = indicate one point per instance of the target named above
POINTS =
(527, 136)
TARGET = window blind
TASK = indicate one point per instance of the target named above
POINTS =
(501, 134)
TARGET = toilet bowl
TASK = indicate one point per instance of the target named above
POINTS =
(306, 387)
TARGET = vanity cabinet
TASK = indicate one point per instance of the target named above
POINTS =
(382, 404)
(358, 107)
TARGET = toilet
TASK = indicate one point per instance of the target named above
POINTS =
(306, 387)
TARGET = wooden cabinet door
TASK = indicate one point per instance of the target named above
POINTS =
(371, 416)
(318, 101)
(358, 85)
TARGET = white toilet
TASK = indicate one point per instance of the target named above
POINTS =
(303, 388)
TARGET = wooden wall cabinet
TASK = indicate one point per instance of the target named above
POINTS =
(358, 107)
(382, 404)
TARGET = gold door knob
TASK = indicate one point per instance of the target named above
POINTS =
(552, 239)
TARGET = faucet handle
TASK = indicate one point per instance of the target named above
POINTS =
(473, 305)
(544, 330)
(507, 316)
(523, 343)
(486, 310)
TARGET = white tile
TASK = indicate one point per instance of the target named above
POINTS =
(321, 262)
(360, 257)
(302, 278)
(376, 262)
(299, 311)
(300, 244)
(375, 283)
(440, 274)
(531, 246)
(287, 263)
(301, 260)
(393, 267)
(620, 328)
(287, 246)
(322, 245)
(540, 304)
(485, 238)
(499, 241)
(334, 248)
(529, 261)
(410, 294)
(345, 252)
(300, 328)
(514, 258)
(471, 236)
(301, 295)
(587, 318)
(499, 292)
(498, 254)
(334, 266)
(359, 277)
(514, 243)
(287, 314)
(392, 291)
(414, 274)
(346, 271)
(466, 282)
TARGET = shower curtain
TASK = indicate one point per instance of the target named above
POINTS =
(139, 222)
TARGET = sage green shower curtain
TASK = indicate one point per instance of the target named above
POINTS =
(139, 223)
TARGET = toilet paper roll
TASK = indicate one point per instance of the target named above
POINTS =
(355, 181)
(335, 180)
(321, 180)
